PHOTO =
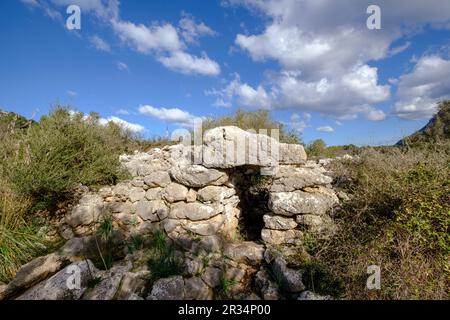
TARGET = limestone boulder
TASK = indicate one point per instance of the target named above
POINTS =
(136, 194)
(276, 222)
(154, 210)
(292, 154)
(300, 202)
(175, 192)
(281, 237)
(194, 211)
(196, 289)
(266, 287)
(108, 287)
(32, 273)
(290, 178)
(68, 284)
(154, 193)
(171, 288)
(157, 179)
(229, 147)
(245, 252)
(215, 193)
(86, 212)
(133, 283)
(212, 276)
(206, 227)
(197, 176)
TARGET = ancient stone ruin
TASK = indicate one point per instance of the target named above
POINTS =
(233, 219)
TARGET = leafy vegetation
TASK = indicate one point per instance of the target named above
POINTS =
(398, 218)
(318, 149)
(41, 163)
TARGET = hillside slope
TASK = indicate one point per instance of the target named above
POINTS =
(437, 129)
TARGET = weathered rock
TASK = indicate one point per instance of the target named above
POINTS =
(279, 237)
(292, 154)
(215, 193)
(32, 273)
(171, 288)
(290, 179)
(119, 207)
(235, 274)
(157, 179)
(193, 267)
(175, 192)
(211, 243)
(154, 194)
(266, 286)
(290, 279)
(107, 288)
(299, 202)
(137, 182)
(193, 211)
(135, 297)
(63, 285)
(245, 252)
(278, 223)
(197, 176)
(191, 195)
(136, 194)
(154, 210)
(229, 147)
(205, 228)
(86, 212)
(309, 295)
(212, 276)
(132, 284)
(196, 289)
(171, 224)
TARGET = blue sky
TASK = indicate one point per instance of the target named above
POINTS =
(155, 64)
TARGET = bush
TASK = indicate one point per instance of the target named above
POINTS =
(398, 218)
(63, 150)
(19, 238)
(40, 164)
(254, 120)
(318, 149)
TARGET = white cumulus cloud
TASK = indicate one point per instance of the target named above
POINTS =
(326, 129)
(170, 115)
(420, 90)
(133, 127)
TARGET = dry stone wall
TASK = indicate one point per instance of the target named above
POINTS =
(192, 194)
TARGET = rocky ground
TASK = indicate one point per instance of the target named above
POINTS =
(236, 233)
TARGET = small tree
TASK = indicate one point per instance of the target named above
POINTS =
(316, 148)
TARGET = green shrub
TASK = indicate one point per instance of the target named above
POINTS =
(398, 218)
(63, 150)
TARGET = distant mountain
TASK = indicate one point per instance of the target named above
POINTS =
(437, 129)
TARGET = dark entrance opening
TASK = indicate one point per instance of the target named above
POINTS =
(253, 191)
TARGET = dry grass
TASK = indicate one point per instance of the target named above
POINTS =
(398, 218)
(19, 241)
